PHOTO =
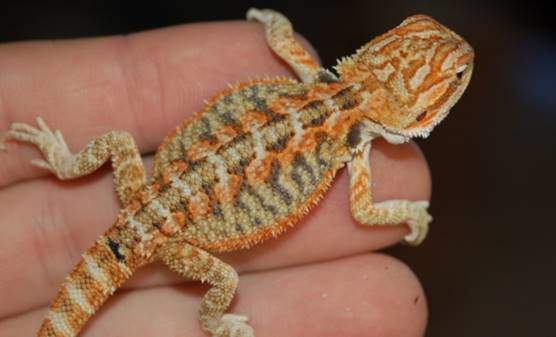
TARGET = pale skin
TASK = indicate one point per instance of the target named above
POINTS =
(147, 85)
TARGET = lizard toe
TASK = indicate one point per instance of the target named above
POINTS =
(234, 326)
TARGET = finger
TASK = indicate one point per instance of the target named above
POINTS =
(144, 83)
(51, 224)
(369, 295)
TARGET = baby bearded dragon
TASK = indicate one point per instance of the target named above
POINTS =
(254, 161)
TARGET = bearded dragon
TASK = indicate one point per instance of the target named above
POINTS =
(254, 161)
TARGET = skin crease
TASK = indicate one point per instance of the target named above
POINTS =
(147, 83)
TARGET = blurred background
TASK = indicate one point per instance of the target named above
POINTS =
(488, 266)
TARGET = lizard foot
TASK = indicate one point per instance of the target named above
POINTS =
(418, 223)
(52, 145)
(255, 14)
(234, 326)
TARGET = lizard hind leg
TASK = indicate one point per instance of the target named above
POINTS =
(119, 146)
(280, 37)
(197, 264)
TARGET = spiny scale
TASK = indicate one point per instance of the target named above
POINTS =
(254, 161)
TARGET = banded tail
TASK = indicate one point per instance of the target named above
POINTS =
(100, 272)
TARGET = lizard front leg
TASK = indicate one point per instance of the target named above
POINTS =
(119, 146)
(197, 264)
(279, 35)
(390, 212)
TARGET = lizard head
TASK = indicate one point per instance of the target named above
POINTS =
(411, 76)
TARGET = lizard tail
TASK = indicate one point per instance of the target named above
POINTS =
(99, 273)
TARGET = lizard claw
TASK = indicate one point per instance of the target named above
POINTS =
(234, 326)
(42, 164)
(51, 144)
(260, 15)
(419, 223)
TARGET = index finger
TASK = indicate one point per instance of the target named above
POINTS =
(144, 83)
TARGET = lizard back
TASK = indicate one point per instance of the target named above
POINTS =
(255, 159)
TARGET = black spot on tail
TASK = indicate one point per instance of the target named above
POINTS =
(115, 248)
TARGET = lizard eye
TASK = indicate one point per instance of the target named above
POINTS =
(421, 116)
(460, 71)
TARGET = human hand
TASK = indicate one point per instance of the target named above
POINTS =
(318, 279)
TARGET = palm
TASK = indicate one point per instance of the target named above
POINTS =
(316, 280)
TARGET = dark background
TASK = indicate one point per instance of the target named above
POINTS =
(488, 266)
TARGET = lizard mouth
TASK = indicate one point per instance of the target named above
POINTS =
(429, 119)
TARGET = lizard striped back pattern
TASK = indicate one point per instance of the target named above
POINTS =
(254, 161)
